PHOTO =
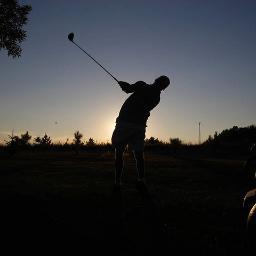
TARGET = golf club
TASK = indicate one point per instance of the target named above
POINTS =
(71, 38)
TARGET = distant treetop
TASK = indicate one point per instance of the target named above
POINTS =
(235, 134)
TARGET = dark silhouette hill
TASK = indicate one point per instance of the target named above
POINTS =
(236, 140)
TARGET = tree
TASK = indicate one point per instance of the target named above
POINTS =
(78, 141)
(45, 141)
(78, 138)
(25, 138)
(175, 141)
(12, 143)
(175, 144)
(209, 140)
(13, 140)
(12, 18)
(90, 142)
(152, 141)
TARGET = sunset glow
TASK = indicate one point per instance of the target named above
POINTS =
(208, 53)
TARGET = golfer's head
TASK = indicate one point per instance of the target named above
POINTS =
(162, 82)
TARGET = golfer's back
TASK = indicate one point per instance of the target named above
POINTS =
(136, 109)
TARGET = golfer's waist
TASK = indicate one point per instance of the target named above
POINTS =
(131, 124)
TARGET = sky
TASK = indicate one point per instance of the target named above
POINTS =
(206, 48)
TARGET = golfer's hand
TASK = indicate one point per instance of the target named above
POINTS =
(125, 86)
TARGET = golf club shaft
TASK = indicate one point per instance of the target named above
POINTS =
(94, 60)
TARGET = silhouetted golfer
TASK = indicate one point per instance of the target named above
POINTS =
(131, 123)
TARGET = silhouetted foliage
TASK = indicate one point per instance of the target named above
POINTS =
(78, 141)
(236, 134)
(12, 143)
(152, 141)
(44, 141)
(78, 138)
(90, 142)
(175, 144)
(154, 144)
(238, 139)
(25, 138)
(12, 18)
(15, 142)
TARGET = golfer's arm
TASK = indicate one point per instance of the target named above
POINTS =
(126, 87)
(130, 88)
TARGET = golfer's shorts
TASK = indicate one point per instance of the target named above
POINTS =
(128, 134)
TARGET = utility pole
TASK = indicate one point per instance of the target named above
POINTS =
(199, 133)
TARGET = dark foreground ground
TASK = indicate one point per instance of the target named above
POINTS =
(62, 203)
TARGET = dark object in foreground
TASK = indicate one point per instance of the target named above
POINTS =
(251, 229)
(26, 227)
(249, 201)
(249, 207)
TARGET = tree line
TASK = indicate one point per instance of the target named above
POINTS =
(16, 143)
(45, 141)
(26, 140)
(236, 140)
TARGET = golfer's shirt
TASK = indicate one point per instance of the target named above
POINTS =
(136, 109)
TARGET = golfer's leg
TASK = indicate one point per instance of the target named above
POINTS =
(139, 157)
(119, 165)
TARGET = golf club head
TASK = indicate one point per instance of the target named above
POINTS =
(71, 36)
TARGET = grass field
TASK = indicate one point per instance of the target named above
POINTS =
(59, 202)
